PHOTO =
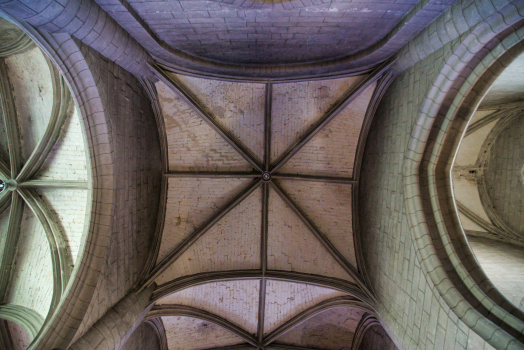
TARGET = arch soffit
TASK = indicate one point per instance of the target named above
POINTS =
(60, 327)
(478, 59)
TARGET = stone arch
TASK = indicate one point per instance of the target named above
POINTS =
(443, 250)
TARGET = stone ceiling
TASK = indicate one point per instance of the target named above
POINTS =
(44, 164)
(258, 229)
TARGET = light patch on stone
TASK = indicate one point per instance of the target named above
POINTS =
(239, 107)
(193, 144)
(293, 247)
(236, 301)
(190, 202)
(332, 151)
(33, 93)
(67, 160)
(185, 333)
(331, 329)
(68, 206)
(467, 193)
(328, 205)
(233, 243)
(285, 300)
(21, 340)
(32, 280)
(297, 106)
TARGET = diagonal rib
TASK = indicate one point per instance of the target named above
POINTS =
(188, 241)
(10, 120)
(60, 256)
(322, 238)
(59, 114)
(177, 88)
(331, 114)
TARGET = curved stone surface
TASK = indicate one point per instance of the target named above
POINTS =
(502, 175)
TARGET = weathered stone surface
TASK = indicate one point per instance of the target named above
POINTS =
(293, 247)
(329, 207)
(33, 90)
(67, 160)
(190, 202)
(238, 107)
(236, 301)
(297, 106)
(331, 329)
(192, 144)
(285, 300)
(332, 151)
(184, 333)
(233, 243)
(32, 280)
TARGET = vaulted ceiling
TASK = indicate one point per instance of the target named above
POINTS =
(258, 243)
(43, 165)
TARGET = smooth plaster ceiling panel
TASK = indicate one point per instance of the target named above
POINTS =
(69, 207)
(328, 205)
(67, 160)
(238, 107)
(297, 106)
(332, 329)
(21, 340)
(190, 202)
(33, 93)
(332, 151)
(233, 243)
(470, 146)
(293, 247)
(284, 300)
(185, 333)
(193, 144)
(32, 279)
(236, 301)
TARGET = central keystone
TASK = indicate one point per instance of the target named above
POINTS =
(266, 176)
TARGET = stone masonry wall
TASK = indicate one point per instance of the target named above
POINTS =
(415, 316)
(376, 338)
(144, 338)
(136, 152)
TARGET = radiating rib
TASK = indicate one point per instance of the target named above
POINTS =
(331, 113)
(5, 170)
(10, 120)
(59, 114)
(185, 282)
(267, 126)
(315, 310)
(261, 310)
(60, 256)
(11, 241)
(329, 179)
(5, 200)
(212, 174)
(188, 311)
(177, 88)
(188, 241)
(322, 238)
(160, 331)
(72, 184)
(30, 320)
